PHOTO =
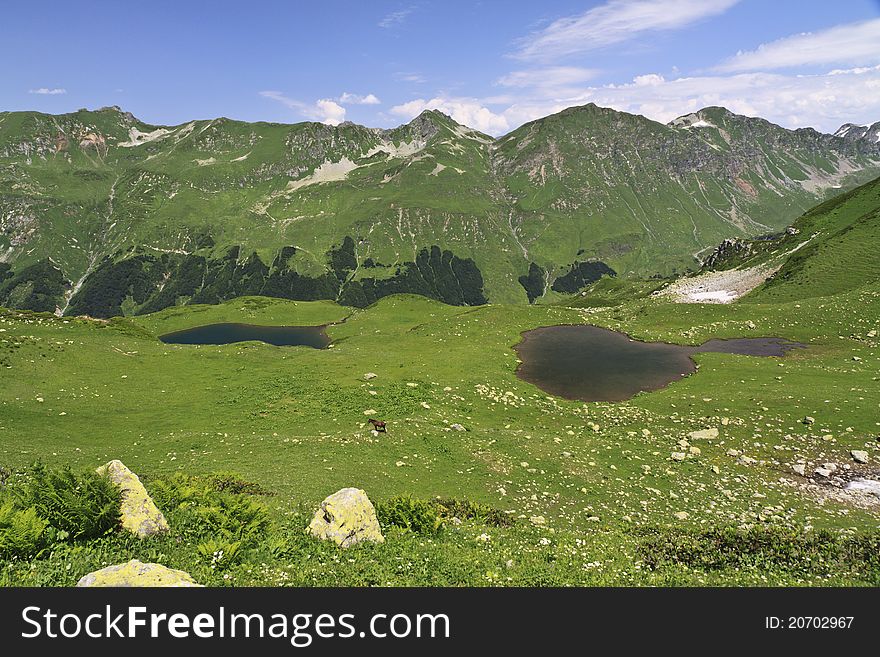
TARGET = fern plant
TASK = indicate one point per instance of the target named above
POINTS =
(22, 532)
(411, 514)
(84, 505)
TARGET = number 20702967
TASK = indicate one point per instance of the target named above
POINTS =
(808, 622)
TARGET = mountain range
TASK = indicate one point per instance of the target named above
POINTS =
(102, 214)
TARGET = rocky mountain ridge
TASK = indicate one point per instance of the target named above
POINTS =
(95, 196)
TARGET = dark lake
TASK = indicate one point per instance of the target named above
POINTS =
(281, 336)
(596, 364)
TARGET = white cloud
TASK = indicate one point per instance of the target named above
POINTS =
(323, 110)
(468, 111)
(396, 18)
(823, 101)
(410, 77)
(648, 80)
(44, 91)
(355, 99)
(614, 22)
(551, 77)
(854, 44)
(329, 112)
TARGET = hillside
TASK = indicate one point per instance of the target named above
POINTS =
(102, 214)
(832, 248)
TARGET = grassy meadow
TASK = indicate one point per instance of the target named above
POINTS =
(589, 492)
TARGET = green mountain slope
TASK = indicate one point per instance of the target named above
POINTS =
(833, 248)
(102, 214)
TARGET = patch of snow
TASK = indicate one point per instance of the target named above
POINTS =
(138, 138)
(203, 163)
(691, 121)
(716, 296)
(724, 286)
(717, 286)
(871, 486)
(438, 169)
(178, 251)
(242, 158)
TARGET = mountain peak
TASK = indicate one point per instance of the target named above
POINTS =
(428, 123)
(853, 132)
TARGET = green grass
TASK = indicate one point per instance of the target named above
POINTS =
(580, 480)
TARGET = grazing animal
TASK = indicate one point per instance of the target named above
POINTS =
(379, 425)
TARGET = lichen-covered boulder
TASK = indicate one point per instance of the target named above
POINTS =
(346, 517)
(139, 513)
(137, 573)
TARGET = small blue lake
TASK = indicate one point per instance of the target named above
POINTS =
(227, 333)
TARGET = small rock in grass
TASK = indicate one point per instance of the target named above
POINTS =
(370, 375)
(678, 456)
(859, 455)
(704, 434)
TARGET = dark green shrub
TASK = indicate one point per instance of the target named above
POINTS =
(467, 510)
(85, 506)
(411, 514)
(232, 482)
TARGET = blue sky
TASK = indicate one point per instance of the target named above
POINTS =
(492, 65)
